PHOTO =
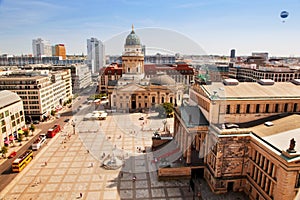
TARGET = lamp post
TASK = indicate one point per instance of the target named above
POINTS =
(73, 124)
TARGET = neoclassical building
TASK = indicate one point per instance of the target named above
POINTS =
(261, 159)
(130, 89)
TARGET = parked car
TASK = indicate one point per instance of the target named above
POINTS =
(36, 122)
(67, 120)
(12, 154)
(141, 118)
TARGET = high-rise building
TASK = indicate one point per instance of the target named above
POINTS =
(232, 53)
(60, 50)
(95, 54)
(41, 47)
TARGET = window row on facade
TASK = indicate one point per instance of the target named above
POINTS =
(261, 108)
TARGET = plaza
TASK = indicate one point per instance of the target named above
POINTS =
(71, 164)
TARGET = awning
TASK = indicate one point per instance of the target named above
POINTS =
(20, 131)
(11, 138)
(6, 142)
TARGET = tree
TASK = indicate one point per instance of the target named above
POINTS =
(53, 112)
(26, 133)
(20, 137)
(32, 128)
(169, 108)
(4, 151)
(165, 109)
(161, 111)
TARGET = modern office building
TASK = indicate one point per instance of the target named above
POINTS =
(81, 77)
(95, 55)
(10, 60)
(41, 91)
(60, 51)
(253, 72)
(41, 47)
(12, 119)
(80, 73)
(232, 53)
(160, 59)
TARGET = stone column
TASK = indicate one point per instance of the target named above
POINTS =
(189, 150)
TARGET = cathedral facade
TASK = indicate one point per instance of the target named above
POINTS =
(128, 87)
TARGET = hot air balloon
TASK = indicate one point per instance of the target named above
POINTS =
(284, 15)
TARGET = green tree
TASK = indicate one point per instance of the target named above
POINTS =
(26, 133)
(4, 151)
(20, 137)
(53, 112)
(32, 128)
(165, 109)
(169, 108)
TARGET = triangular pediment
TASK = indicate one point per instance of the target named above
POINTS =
(132, 88)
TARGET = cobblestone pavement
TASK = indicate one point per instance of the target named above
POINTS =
(64, 169)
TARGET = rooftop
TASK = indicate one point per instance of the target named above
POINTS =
(281, 132)
(7, 98)
(252, 90)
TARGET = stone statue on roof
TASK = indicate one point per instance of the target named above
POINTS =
(291, 149)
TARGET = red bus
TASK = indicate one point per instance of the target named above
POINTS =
(52, 131)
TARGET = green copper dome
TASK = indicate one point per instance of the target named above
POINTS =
(132, 39)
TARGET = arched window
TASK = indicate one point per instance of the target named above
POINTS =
(171, 99)
(162, 100)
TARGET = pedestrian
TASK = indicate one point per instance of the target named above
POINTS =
(121, 174)
(45, 163)
(92, 164)
(87, 151)
(134, 178)
(199, 195)
(80, 194)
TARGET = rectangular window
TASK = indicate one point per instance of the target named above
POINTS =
(276, 107)
(267, 108)
(6, 113)
(248, 108)
(1, 116)
(228, 109)
(295, 108)
(238, 108)
(286, 105)
(4, 129)
(298, 181)
(257, 108)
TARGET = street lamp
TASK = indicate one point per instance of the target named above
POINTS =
(73, 124)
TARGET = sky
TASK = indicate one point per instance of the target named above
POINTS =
(214, 26)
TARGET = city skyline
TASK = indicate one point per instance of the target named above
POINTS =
(215, 26)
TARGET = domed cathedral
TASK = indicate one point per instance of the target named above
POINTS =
(133, 58)
(127, 87)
